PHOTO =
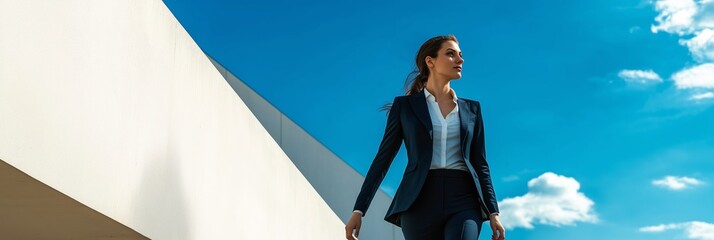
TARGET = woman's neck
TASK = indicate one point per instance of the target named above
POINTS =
(440, 88)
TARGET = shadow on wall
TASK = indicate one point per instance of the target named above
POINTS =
(160, 200)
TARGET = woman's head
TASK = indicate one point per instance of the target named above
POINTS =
(429, 58)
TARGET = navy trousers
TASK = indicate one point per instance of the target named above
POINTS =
(447, 208)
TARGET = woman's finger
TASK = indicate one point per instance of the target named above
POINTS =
(348, 233)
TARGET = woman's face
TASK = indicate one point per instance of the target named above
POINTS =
(447, 62)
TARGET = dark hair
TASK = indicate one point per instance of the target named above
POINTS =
(420, 74)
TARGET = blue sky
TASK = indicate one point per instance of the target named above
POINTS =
(598, 114)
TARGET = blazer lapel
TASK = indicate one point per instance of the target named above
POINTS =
(418, 103)
(466, 117)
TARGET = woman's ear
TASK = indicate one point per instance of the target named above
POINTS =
(429, 61)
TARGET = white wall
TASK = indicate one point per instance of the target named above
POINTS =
(340, 185)
(113, 104)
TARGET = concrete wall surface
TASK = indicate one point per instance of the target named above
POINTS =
(113, 104)
(339, 185)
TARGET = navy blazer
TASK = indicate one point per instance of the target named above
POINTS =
(409, 120)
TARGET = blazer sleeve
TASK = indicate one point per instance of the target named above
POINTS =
(478, 153)
(391, 142)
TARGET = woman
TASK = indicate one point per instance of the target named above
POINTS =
(446, 192)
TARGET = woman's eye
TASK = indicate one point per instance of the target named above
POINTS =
(450, 54)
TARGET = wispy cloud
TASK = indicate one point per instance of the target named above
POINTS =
(694, 230)
(660, 228)
(676, 183)
(634, 29)
(640, 76)
(706, 95)
(511, 178)
(552, 200)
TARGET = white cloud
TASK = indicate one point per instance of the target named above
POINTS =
(659, 228)
(552, 200)
(701, 45)
(676, 183)
(676, 16)
(701, 96)
(693, 22)
(701, 76)
(640, 76)
(694, 230)
(683, 17)
(688, 18)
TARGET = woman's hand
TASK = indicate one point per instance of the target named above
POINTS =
(355, 224)
(498, 232)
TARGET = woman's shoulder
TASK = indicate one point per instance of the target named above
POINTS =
(471, 101)
(400, 98)
(474, 105)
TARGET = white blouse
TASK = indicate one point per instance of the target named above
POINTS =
(447, 135)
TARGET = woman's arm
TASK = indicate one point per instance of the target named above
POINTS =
(391, 142)
(478, 153)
